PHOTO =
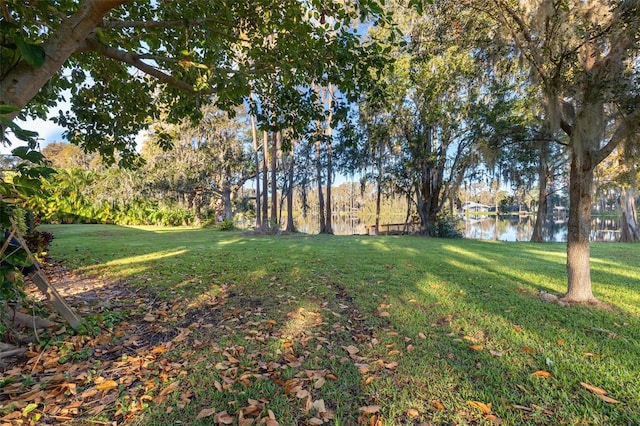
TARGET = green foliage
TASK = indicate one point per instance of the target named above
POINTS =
(446, 226)
(226, 225)
(197, 50)
(16, 188)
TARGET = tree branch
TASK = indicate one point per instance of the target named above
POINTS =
(628, 125)
(135, 61)
(24, 82)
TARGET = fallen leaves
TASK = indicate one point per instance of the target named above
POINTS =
(486, 411)
(541, 373)
(370, 409)
(599, 393)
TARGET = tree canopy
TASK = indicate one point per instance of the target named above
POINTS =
(123, 64)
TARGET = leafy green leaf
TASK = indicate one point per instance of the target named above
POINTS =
(8, 109)
(32, 53)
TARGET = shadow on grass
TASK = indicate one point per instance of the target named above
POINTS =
(455, 294)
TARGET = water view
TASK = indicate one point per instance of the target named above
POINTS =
(500, 228)
(514, 228)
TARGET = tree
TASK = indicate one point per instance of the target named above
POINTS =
(432, 93)
(207, 159)
(584, 56)
(126, 63)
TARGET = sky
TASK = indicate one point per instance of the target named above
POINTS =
(48, 132)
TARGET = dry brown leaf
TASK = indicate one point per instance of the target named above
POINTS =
(107, 385)
(351, 349)
(594, 389)
(391, 365)
(495, 353)
(437, 405)
(315, 421)
(205, 412)
(319, 406)
(494, 419)
(172, 386)
(149, 318)
(411, 412)
(476, 347)
(223, 418)
(384, 314)
(485, 408)
(97, 410)
(422, 335)
(541, 373)
(410, 348)
(522, 407)
(544, 410)
(370, 409)
(529, 350)
(607, 399)
(319, 383)
(363, 368)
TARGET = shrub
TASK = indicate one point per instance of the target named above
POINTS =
(447, 227)
(226, 225)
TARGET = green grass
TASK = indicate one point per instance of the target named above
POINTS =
(420, 303)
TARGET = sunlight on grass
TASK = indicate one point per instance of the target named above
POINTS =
(464, 252)
(431, 324)
(146, 257)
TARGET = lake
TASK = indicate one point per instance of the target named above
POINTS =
(502, 228)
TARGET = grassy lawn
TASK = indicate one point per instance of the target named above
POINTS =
(373, 330)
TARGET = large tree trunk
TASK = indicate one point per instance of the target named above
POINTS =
(227, 203)
(579, 228)
(629, 231)
(24, 81)
(584, 142)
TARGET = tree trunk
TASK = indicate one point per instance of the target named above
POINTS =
(226, 201)
(24, 81)
(579, 227)
(378, 201)
(329, 136)
(290, 225)
(629, 231)
(543, 173)
(328, 217)
(321, 207)
(274, 182)
(265, 180)
(257, 161)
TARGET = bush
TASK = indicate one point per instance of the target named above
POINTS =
(226, 225)
(446, 227)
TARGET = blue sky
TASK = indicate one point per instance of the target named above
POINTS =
(47, 130)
